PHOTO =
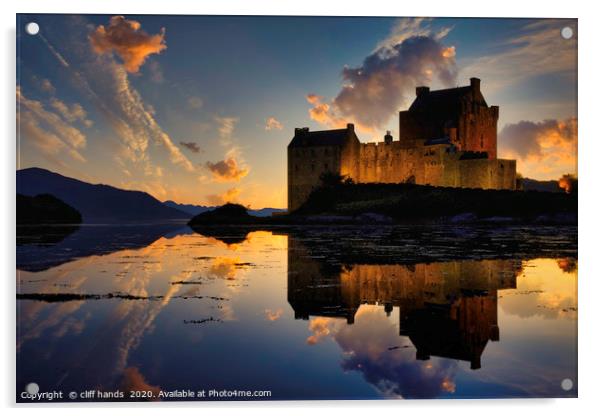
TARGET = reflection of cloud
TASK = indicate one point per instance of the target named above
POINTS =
(133, 380)
(273, 124)
(387, 78)
(395, 373)
(321, 327)
(224, 268)
(568, 265)
(541, 146)
(544, 289)
(271, 315)
(125, 37)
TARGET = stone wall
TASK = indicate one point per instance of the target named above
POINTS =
(437, 165)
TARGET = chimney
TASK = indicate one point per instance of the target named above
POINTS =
(475, 84)
(388, 137)
(301, 131)
(422, 90)
(350, 127)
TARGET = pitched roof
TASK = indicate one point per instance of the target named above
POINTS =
(338, 137)
(440, 100)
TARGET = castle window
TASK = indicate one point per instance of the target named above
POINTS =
(313, 152)
(326, 166)
(313, 167)
(326, 152)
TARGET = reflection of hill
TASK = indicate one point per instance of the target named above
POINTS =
(87, 241)
(43, 235)
(446, 309)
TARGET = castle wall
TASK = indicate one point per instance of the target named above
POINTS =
(488, 174)
(436, 165)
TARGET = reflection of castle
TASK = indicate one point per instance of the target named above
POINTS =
(446, 138)
(446, 309)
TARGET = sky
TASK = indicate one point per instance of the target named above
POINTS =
(200, 109)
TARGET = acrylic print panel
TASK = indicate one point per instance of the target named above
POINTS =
(277, 208)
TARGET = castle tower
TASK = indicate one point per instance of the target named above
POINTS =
(313, 153)
(459, 114)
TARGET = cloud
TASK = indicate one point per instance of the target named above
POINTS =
(231, 195)
(273, 124)
(44, 85)
(410, 27)
(192, 146)
(272, 316)
(48, 131)
(72, 113)
(127, 40)
(226, 127)
(227, 170)
(195, 102)
(156, 73)
(132, 119)
(537, 49)
(545, 148)
(386, 80)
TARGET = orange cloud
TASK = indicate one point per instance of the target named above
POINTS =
(375, 90)
(127, 40)
(273, 124)
(227, 170)
(231, 195)
(545, 149)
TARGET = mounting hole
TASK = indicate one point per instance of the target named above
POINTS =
(32, 388)
(32, 28)
(567, 384)
(566, 32)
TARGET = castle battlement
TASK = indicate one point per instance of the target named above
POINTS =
(446, 138)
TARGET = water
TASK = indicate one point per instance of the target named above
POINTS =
(345, 313)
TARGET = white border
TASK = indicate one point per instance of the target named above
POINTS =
(590, 150)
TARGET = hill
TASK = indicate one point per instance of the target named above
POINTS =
(541, 186)
(198, 209)
(45, 209)
(231, 214)
(97, 203)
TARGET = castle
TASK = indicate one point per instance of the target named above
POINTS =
(446, 138)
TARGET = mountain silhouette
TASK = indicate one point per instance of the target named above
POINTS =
(97, 203)
(198, 209)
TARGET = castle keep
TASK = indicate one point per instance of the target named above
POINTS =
(446, 138)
